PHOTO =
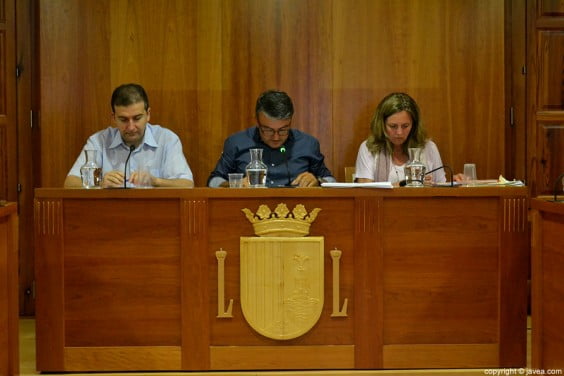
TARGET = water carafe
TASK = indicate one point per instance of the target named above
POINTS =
(414, 169)
(90, 172)
(256, 170)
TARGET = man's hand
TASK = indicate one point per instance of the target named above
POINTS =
(142, 179)
(113, 179)
(306, 179)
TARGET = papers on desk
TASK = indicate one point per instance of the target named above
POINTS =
(385, 185)
(501, 181)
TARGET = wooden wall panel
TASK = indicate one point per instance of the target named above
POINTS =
(552, 7)
(551, 71)
(448, 55)
(204, 63)
(74, 79)
(277, 45)
(550, 148)
(8, 141)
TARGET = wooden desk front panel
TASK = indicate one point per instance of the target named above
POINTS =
(232, 340)
(441, 269)
(548, 284)
(129, 280)
(108, 284)
(122, 273)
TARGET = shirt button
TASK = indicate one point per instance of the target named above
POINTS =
(272, 165)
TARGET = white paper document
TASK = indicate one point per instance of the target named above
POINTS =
(384, 184)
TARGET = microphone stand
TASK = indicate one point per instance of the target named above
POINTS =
(283, 151)
(131, 148)
(558, 179)
(445, 167)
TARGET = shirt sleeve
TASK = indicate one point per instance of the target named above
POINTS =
(175, 166)
(224, 166)
(365, 163)
(317, 166)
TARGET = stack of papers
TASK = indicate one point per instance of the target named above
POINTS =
(501, 181)
(385, 185)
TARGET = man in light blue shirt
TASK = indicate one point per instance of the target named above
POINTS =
(156, 153)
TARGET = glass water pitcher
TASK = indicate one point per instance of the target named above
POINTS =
(90, 172)
(414, 169)
(256, 170)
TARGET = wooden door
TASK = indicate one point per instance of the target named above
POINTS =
(546, 94)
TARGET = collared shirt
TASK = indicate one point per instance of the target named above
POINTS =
(301, 153)
(160, 151)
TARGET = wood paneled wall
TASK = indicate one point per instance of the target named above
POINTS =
(204, 62)
(8, 140)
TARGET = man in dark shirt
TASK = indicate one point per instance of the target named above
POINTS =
(293, 157)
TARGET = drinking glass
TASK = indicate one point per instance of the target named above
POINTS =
(470, 173)
(235, 180)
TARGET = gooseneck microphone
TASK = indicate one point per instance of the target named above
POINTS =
(283, 151)
(445, 167)
(131, 148)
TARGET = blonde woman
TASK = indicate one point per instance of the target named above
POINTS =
(396, 127)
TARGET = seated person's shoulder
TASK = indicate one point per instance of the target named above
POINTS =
(429, 144)
(241, 139)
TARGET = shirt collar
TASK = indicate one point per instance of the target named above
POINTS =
(147, 138)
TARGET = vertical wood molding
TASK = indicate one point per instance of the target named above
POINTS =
(195, 284)
(3, 161)
(368, 275)
(537, 289)
(195, 216)
(49, 255)
(515, 214)
(514, 251)
(367, 221)
(48, 217)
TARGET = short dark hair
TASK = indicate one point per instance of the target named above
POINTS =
(275, 104)
(127, 94)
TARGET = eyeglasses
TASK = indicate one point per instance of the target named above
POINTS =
(267, 131)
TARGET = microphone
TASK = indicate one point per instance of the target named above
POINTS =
(445, 167)
(131, 148)
(558, 179)
(283, 151)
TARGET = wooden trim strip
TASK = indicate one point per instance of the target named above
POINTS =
(441, 356)
(123, 358)
(295, 357)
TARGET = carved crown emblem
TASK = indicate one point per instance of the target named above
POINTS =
(281, 222)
